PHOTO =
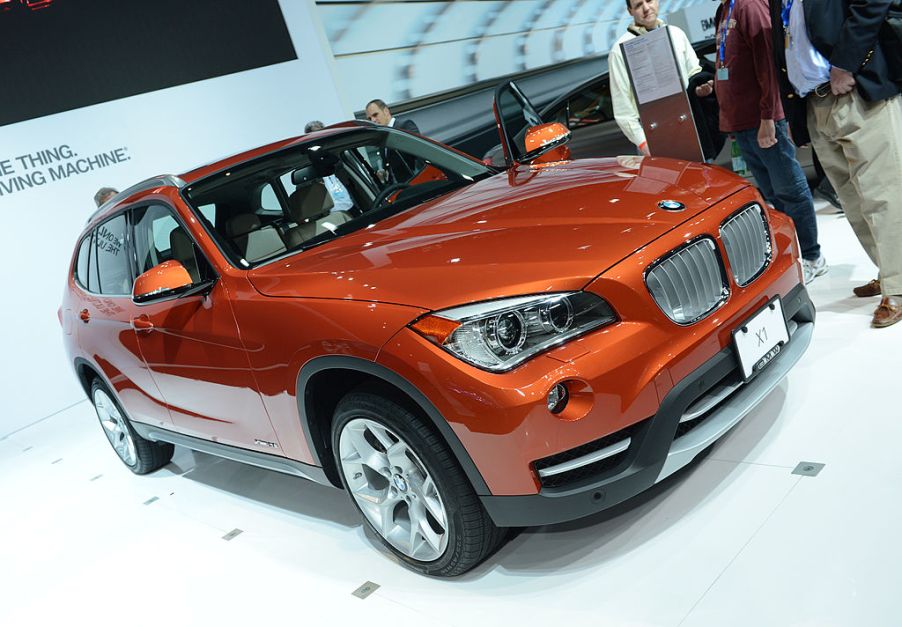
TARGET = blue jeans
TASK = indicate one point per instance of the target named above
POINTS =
(782, 183)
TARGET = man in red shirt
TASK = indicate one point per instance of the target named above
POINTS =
(750, 109)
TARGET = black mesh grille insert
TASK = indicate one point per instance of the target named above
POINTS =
(592, 471)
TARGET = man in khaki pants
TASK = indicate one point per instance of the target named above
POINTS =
(836, 77)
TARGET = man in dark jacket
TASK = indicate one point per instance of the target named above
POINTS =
(379, 113)
(397, 167)
(838, 90)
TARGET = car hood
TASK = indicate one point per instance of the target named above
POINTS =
(525, 231)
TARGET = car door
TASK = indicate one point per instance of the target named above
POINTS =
(191, 344)
(103, 305)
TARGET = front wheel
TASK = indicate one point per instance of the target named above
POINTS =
(409, 488)
(140, 455)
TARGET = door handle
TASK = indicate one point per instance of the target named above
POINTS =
(85, 315)
(142, 323)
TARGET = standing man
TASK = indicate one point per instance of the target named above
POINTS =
(838, 85)
(379, 113)
(626, 110)
(750, 108)
(396, 167)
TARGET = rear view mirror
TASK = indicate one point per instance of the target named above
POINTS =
(169, 278)
(525, 136)
(545, 143)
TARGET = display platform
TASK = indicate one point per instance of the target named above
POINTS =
(736, 539)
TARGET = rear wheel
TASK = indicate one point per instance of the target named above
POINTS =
(140, 455)
(409, 488)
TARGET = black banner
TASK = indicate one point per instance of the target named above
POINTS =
(59, 55)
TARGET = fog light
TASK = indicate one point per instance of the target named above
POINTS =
(557, 398)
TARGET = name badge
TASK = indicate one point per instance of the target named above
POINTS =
(723, 73)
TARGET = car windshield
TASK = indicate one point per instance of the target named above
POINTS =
(309, 194)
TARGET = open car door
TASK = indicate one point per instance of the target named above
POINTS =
(525, 137)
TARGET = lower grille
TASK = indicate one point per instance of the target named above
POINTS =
(591, 470)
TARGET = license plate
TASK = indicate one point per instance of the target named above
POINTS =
(761, 338)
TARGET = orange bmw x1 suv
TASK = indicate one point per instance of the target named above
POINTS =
(462, 349)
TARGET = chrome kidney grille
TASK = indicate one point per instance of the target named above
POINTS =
(746, 239)
(689, 283)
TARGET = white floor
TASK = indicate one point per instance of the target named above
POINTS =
(735, 539)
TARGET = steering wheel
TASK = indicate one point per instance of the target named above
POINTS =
(387, 191)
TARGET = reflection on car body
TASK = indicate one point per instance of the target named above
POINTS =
(463, 349)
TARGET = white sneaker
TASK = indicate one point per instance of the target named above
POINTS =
(813, 268)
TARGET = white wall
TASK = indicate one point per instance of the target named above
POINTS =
(398, 49)
(168, 131)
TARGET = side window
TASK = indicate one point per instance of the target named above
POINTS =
(591, 106)
(82, 264)
(113, 271)
(153, 230)
(268, 199)
(286, 183)
(372, 156)
(159, 237)
(209, 212)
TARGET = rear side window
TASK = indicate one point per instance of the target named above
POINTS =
(113, 271)
(82, 265)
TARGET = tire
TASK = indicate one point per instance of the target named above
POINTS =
(139, 455)
(409, 488)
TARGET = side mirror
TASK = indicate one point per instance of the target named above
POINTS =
(545, 143)
(166, 279)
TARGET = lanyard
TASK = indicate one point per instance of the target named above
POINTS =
(725, 32)
(787, 8)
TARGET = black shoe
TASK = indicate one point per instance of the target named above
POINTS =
(829, 194)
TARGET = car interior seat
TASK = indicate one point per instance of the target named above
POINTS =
(253, 241)
(310, 206)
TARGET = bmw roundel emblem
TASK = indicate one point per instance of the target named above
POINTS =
(671, 205)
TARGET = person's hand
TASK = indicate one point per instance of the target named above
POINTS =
(767, 134)
(643, 148)
(841, 81)
(705, 90)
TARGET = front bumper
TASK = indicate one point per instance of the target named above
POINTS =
(659, 446)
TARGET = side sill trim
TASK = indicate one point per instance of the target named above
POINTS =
(261, 460)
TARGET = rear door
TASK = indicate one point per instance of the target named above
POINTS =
(104, 310)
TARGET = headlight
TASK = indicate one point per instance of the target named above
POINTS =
(500, 334)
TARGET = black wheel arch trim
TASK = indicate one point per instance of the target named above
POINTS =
(81, 362)
(343, 362)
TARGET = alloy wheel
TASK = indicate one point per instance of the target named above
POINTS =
(115, 428)
(393, 489)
